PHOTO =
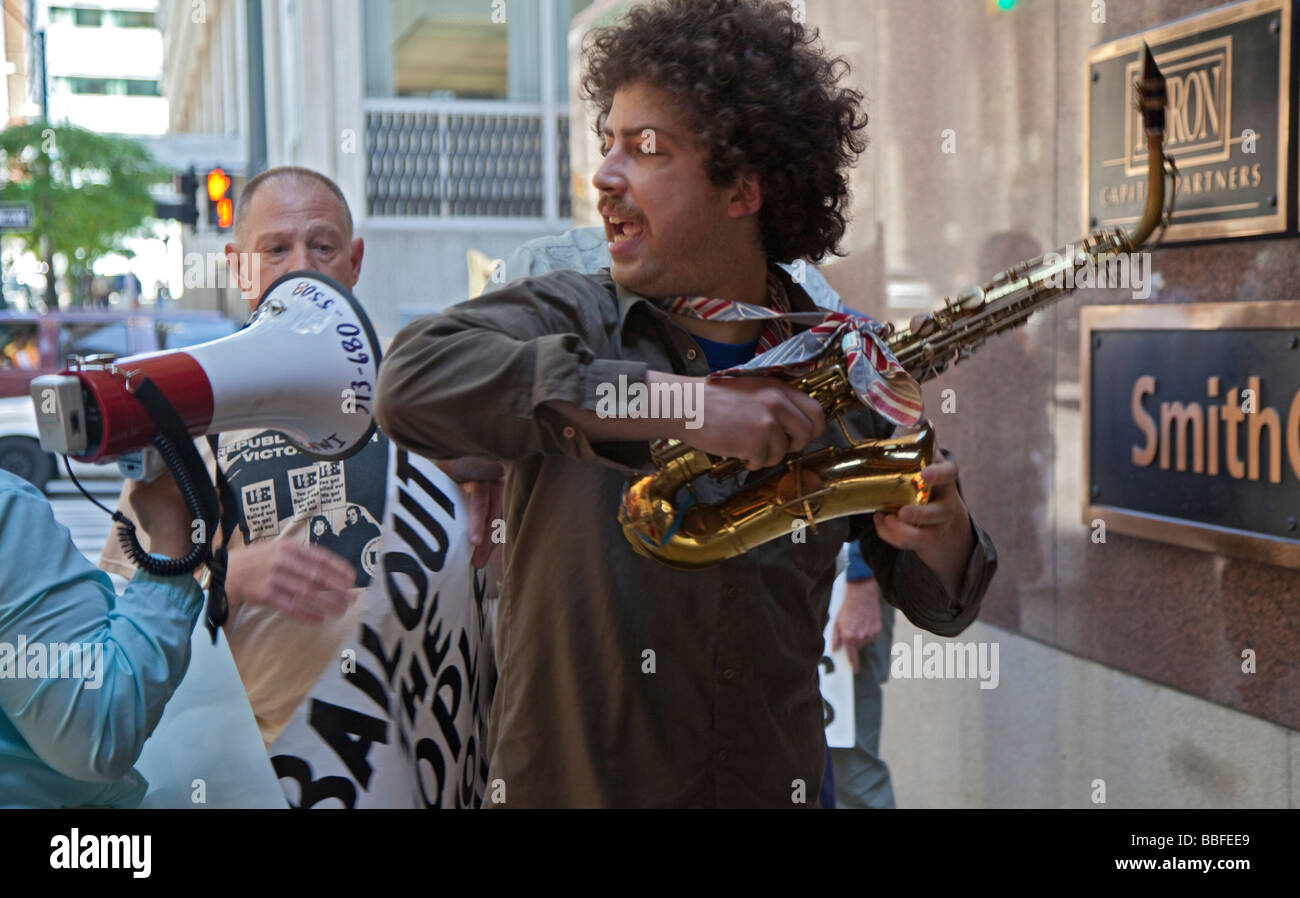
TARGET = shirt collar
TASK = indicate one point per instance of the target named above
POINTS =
(798, 297)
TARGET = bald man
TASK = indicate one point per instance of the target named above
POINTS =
(292, 603)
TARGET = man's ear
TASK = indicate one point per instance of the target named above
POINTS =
(238, 276)
(358, 251)
(746, 196)
(243, 269)
(232, 260)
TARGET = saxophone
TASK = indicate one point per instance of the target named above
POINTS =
(871, 474)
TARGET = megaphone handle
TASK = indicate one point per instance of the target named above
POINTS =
(176, 447)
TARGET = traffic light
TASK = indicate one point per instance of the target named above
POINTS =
(221, 201)
(187, 210)
(995, 7)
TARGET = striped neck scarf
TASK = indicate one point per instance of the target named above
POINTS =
(875, 375)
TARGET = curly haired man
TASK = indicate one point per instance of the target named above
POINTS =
(623, 682)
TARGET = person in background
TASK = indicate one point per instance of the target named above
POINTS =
(22, 352)
(296, 582)
(865, 627)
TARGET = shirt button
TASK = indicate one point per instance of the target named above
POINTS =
(569, 433)
(728, 674)
(722, 755)
(690, 355)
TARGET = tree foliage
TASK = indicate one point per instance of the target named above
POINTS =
(88, 191)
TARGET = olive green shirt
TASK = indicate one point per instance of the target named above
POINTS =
(624, 682)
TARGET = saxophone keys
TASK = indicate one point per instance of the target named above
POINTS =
(800, 487)
(922, 325)
(969, 299)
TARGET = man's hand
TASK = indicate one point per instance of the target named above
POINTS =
(484, 512)
(160, 512)
(859, 619)
(938, 531)
(483, 483)
(303, 581)
(758, 419)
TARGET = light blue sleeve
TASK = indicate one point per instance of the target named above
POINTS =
(578, 249)
(90, 727)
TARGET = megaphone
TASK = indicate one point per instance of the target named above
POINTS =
(305, 365)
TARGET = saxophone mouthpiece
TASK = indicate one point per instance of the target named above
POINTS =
(1151, 94)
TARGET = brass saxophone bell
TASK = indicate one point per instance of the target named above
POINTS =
(832, 482)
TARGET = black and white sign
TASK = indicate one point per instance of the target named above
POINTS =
(401, 720)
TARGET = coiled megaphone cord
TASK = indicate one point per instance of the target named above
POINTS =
(156, 565)
(200, 498)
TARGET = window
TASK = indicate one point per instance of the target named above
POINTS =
(88, 18)
(18, 347)
(455, 157)
(117, 87)
(464, 49)
(83, 338)
(445, 49)
(60, 15)
(96, 86)
(140, 87)
(179, 333)
(132, 19)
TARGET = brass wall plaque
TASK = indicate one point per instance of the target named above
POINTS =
(1191, 425)
(1228, 124)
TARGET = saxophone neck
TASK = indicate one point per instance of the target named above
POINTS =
(1151, 99)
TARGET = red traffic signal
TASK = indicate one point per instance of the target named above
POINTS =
(221, 206)
(218, 184)
(225, 213)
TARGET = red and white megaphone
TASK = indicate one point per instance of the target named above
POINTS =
(305, 365)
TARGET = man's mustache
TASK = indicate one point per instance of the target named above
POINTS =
(619, 212)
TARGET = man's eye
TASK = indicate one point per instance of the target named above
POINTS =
(605, 148)
(324, 248)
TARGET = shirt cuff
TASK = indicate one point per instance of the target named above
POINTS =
(908, 584)
(858, 568)
(182, 589)
(570, 379)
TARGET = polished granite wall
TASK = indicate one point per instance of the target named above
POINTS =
(1006, 93)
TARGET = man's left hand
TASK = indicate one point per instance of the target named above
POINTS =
(484, 512)
(483, 483)
(919, 527)
(938, 531)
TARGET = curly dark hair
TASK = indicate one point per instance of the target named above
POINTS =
(760, 95)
